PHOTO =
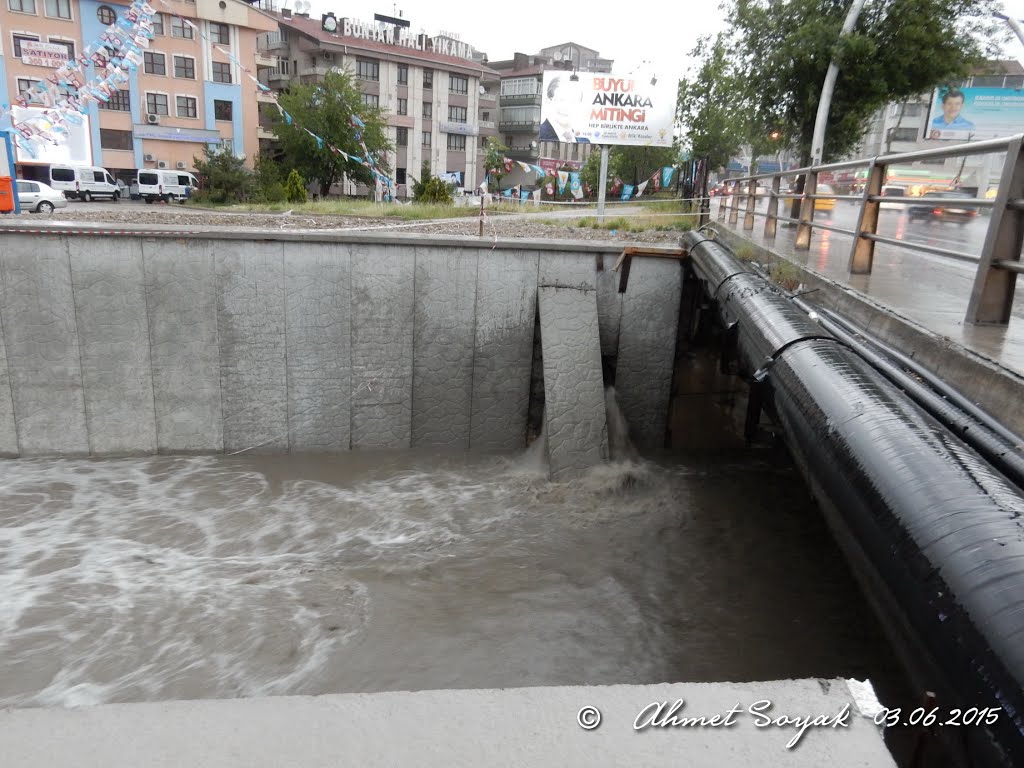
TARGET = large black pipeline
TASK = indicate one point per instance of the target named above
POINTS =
(993, 447)
(935, 527)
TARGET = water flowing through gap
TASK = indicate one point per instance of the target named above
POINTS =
(208, 577)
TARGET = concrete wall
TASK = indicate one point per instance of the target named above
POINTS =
(141, 344)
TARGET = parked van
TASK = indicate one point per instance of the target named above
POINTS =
(84, 182)
(166, 185)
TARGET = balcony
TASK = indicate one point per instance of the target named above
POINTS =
(521, 99)
(265, 97)
(525, 154)
(272, 41)
(487, 124)
(519, 126)
(263, 132)
(264, 59)
(317, 70)
(278, 78)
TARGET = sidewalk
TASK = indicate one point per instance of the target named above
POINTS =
(930, 291)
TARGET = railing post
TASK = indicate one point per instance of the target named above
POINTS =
(803, 231)
(862, 254)
(992, 296)
(723, 202)
(748, 217)
(771, 222)
(734, 208)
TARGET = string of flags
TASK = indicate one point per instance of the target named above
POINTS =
(661, 178)
(65, 95)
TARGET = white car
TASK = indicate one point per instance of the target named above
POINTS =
(36, 196)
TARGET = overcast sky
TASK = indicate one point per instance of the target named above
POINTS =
(639, 34)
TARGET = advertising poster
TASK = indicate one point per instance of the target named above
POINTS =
(973, 114)
(599, 108)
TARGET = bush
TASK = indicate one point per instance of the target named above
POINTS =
(435, 192)
(295, 187)
(225, 177)
(274, 193)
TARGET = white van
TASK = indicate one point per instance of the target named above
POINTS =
(84, 182)
(166, 185)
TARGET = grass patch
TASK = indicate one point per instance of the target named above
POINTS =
(785, 274)
(639, 223)
(367, 209)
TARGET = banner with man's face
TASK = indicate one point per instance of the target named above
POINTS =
(971, 114)
(600, 108)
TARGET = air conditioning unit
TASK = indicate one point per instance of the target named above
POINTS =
(161, 164)
(328, 56)
(149, 158)
(180, 165)
(153, 119)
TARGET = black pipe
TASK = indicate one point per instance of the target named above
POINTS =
(1002, 455)
(935, 529)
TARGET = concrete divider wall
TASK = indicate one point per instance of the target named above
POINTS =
(216, 343)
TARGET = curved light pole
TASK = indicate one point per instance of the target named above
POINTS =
(825, 102)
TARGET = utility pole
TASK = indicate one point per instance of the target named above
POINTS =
(825, 103)
(1014, 25)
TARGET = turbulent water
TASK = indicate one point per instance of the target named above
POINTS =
(197, 577)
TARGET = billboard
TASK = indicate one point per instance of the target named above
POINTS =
(44, 54)
(75, 149)
(972, 114)
(598, 108)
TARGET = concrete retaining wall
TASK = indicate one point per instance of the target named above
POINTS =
(217, 343)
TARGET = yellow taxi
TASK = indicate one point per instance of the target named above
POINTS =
(827, 204)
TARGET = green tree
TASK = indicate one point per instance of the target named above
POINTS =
(494, 161)
(778, 53)
(634, 165)
(714, 125)
(295, 187)
(225, 179)
(434, 191)
(269, 180)
(326, 109)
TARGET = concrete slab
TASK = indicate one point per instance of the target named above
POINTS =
(113, 336)
(568, 270)
(647, 343)
(251, 329)
(383, 298)
(511, 727)
(575, 423)
(445, 324)
(318, 285)
(37, 307)
(609, 305)
(506, 310)
(8, 428)
(181, 295)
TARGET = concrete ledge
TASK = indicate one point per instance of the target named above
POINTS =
(985, 382)
(515, 727)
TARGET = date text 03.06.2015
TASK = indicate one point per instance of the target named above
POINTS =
(894, 718)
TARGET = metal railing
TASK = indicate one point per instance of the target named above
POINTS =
(999, 263)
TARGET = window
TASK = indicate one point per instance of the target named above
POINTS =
(22, 6)
(67, 44)
(219, 33)
(456, 142)
(426, 138)
(403, 106)
(106, 15)
(25, 88)
(120, 101)
(399, 175)
(186, 106)
(221, 72)
(428, 78)
(371, 99)
(458, 84)
(222, 110)
(402, 137)
(520, 115)
(227, 146)
(148, 178)
(403, 74)
(156, 104)
(155, 63)
(520, 86)
(457, 114)
(58, 9)
(428, 110)
(904, 134)
(283, 66)
(367, 69)
(158, 24)
(62, 174)
(185, 66)
(19, 39)
(485, 116)
(180, 29)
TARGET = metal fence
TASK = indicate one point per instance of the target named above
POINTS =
(1000, 259)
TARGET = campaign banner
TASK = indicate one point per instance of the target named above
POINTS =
(666, 175)
(575, 185)
(972, 114)
(599, 108)
(551, 164)
(563, 179)
(627, 192)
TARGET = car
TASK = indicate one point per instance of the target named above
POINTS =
(943, 213)
(39, 197)
(893, 191)
(828, 203)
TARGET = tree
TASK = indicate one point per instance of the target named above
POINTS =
(709, 108)
(634, 165)
(295, 187)
(778, 52)
(494, 160)
(225, 177)
(326, 109)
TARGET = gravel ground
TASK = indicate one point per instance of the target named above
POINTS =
(507, 226)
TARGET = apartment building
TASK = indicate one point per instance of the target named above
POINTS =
(521, 96)
(184, 96)
(440, 98)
